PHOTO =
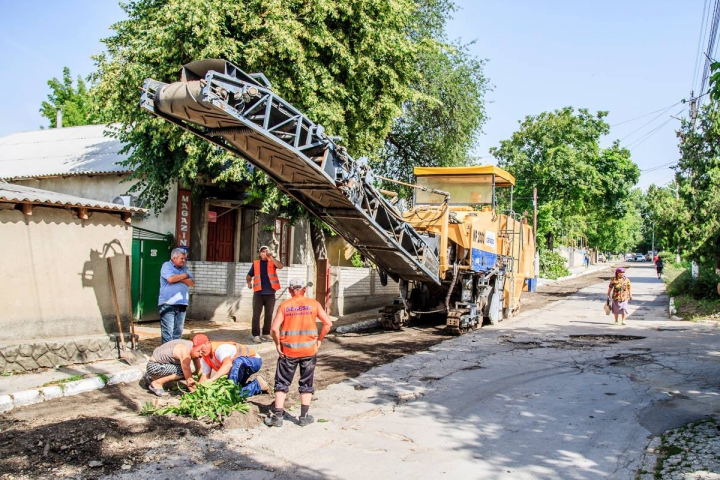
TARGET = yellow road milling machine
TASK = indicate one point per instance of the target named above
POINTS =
(453, 253)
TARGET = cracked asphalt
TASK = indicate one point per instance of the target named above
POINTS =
(555, 393)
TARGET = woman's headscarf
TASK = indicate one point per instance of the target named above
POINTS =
(619, 270)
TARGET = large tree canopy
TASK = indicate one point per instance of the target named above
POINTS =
(347, 64)
(698, 178)
(440, 127)
(74, 101)
(580, 185)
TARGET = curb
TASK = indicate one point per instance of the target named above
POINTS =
(43, 394)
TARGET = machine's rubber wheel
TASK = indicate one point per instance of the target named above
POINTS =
(494, 307)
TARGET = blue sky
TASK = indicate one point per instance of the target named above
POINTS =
(629, 58)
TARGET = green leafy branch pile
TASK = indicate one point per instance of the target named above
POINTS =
(214, 400)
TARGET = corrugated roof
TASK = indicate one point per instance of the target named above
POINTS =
(11, 193)
(60, 151)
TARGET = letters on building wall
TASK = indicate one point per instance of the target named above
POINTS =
(183, 219)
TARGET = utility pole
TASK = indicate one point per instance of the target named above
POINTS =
(537, 254)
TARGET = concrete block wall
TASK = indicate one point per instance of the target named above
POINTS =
(221, 293)
(357, 289)
(210, 277)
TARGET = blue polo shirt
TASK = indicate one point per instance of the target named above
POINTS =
(264, 278)
(173, 293)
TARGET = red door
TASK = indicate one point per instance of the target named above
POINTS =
(221, 234)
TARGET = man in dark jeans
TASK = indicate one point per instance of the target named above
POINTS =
(175, 280)
(263, 279)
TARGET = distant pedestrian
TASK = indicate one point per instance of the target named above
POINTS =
(175, 281)
(263, 279)
(659, 265)
(621, 293)
(294, 330)
(586, 261)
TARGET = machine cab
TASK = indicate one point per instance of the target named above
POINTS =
(467, 186)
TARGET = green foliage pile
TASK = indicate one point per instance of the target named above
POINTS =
(552, 265)
(214, 400)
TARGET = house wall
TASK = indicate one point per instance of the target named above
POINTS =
(339, 252)
(357, 289)
(55, 290)
(221, 293)
(105, 188)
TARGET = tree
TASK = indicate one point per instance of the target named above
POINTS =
(698, 179)
(348, 65)
(579, 184)
(440, 127)
(75, 102)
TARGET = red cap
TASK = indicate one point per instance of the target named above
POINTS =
(200, 339)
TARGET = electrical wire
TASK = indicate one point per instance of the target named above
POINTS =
(710, 52)
(645, 115)
(651, 121)
(703, 27)
(659, 167)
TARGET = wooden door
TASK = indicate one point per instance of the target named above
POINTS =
(221, 234)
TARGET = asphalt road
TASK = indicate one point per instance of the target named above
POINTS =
(555, 393)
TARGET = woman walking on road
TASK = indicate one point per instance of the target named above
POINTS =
(620, 292)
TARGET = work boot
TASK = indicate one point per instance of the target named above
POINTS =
(264, 386)
(273, 421)
(257, 340)
(305, 420)
(267, 338)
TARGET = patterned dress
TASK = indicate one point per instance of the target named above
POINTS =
(620, 292)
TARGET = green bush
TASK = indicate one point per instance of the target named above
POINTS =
(667, 257)
(705, 286)
(679, 280)
(552, 265)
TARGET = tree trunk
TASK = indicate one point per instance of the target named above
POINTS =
(317, 238)
(550, 238)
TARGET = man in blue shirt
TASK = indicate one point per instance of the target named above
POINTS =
(263, 279)
(175, 280)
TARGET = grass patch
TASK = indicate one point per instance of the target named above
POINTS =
(104, 378)
(697, 310)
(64, 381)
(691, 302)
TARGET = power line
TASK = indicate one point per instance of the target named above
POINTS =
(659, 167)
(648, 123)
(645, 115)
(703, 27)
(639, 141)
(710, 52)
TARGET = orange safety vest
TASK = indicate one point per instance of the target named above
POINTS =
(298, 331)
(215, 363)
(272, 275)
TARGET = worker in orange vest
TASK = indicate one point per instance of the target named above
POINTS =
(294, 331)
(263, 279)
(238, 362)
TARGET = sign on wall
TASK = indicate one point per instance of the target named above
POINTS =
(183, 219)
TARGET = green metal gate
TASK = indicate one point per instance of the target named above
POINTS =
(149, 251)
